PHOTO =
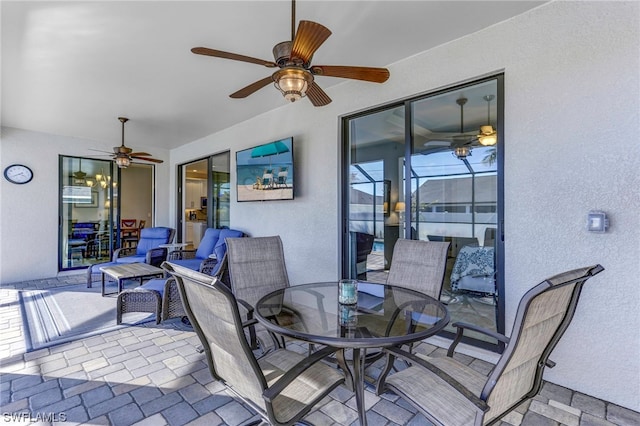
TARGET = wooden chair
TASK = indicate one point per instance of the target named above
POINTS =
(128, 231)
(131, 237)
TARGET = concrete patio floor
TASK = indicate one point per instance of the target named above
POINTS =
(153, 375)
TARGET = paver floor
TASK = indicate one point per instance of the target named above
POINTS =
(153, 375)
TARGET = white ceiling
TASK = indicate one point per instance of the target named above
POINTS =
(71, 68)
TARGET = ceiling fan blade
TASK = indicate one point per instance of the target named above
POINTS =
(153, 160)
(309, 38)
(317, 96)
(234, 56)
(375, 75)
(250, 89)
(145, 154)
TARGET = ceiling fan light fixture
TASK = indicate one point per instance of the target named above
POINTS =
(488, 136)
(123, 161)
(293, 82)
(462, 152)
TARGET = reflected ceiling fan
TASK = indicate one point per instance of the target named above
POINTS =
(295, 76)
(123, 155)
(459, 144)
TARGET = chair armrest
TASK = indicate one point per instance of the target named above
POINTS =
(181, 254)
(461, 326)
(208, 265)
(416, 360)
(274, 390)
(248, 307)
(249, 323)
(223, 273)
(123, 252)
(156, 256)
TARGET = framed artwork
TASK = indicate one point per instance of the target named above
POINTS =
(265, 172)
(88, 204)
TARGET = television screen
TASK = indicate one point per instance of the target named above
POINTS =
(265, 172)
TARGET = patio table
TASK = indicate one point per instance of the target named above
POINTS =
(125, 271)
(384, 316)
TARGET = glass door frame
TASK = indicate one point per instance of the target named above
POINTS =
(345, 152)
(113, 210)
(212, 213)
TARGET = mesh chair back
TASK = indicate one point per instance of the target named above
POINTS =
(256, 267)
(419, 265)
(543, 315)
(213, 312)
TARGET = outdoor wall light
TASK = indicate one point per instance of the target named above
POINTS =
(597, 221)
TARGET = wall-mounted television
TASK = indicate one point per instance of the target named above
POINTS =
(265, 172)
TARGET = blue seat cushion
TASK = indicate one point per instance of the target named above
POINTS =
(156, 284)
(132, 259)
(152, 238)
(188, 263)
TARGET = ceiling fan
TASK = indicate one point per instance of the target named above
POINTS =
(79, 175)
(295, 76)
(460, 143)
(123, 155)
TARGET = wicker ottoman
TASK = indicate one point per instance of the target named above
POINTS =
(146, 298)
(159, 296)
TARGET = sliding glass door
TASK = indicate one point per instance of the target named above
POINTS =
(88, 201)
(429, 169)
(204, 188)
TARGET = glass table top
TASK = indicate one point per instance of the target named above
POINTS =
(385, 315)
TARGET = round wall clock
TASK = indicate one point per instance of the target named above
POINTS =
(18, 173)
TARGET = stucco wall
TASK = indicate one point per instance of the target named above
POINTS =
(571, 125)
(29, 213)
(572, 91)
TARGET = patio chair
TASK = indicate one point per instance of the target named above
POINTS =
(450, 393)
(282, 386)
(148, 251)
(130, 239)
(160, 295)
(474, 271)
(282, 177)
(416, 265)
(419, 265)
(364, 245)
(252, 268)
(212, 243)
